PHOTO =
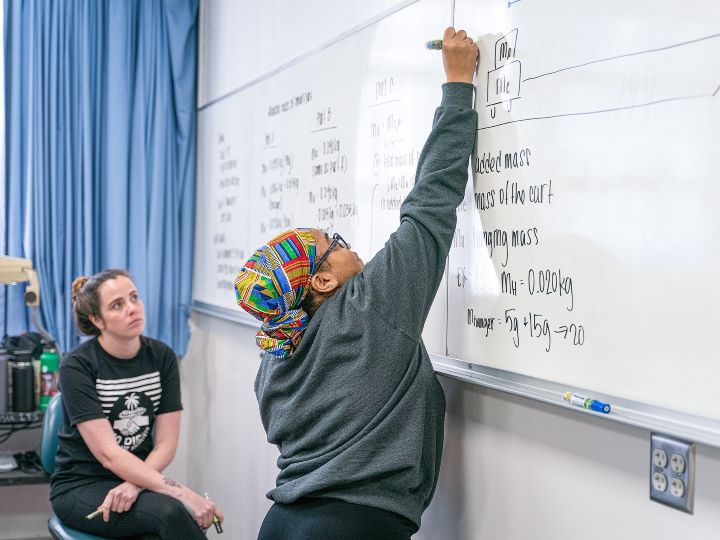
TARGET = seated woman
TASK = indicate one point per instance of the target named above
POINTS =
(121, 397)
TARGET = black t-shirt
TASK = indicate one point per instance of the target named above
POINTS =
(130, 393)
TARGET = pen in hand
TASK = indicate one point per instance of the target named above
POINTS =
(94, 514)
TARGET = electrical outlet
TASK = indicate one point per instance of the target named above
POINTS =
(672, 472)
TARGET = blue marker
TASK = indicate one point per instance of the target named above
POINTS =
(599, 406)
(434, 45)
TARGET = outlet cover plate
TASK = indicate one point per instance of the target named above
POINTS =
(672, 472)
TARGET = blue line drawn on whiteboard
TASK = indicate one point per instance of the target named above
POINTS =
(511, 2)
(626, 81)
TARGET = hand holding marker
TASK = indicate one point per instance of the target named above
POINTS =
(587, 403)
(460, 55)
(215, 520)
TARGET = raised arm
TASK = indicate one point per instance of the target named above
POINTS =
(403, 277)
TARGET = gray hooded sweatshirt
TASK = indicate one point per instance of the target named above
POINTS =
(357, 411)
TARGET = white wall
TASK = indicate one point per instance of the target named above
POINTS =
(223, 448)
(513, 469)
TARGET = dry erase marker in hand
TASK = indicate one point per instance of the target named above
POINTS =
(434, 45)
(216, 521)
(587, 403)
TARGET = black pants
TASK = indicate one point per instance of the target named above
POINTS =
(331, 519)
(152, 515)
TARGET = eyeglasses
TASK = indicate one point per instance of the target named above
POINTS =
(337, 241)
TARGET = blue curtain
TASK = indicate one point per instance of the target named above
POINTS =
(100, 153)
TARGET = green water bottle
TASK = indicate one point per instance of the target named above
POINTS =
(49, 361)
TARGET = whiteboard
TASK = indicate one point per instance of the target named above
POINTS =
(297, 28)
(591, 249)
(329, 142)
(584, 256)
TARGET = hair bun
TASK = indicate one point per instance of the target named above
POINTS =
(77, 284)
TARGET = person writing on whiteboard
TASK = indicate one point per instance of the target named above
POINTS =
(121, 402)
(346, 389)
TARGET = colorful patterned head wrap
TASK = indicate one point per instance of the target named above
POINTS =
(272, 285)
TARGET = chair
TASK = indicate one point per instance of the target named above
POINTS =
(48, 448)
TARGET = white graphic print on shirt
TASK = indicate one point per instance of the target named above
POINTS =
(130, 405)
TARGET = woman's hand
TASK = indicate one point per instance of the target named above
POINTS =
(460, 56)
(201, 508)
(119, 499)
